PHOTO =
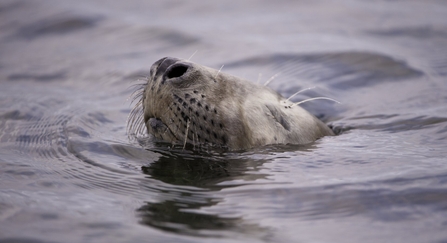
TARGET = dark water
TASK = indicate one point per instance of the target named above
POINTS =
(69, 173)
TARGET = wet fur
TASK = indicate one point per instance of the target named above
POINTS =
(183, 102)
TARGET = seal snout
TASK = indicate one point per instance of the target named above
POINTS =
(170, 68)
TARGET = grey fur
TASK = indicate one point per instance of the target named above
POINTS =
(183, 100)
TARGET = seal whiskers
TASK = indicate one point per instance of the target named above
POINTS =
(271, 79)
(299, 92)
(192, 55)
(315, 98)
(135, 119)
(186, 134)
(220, 69)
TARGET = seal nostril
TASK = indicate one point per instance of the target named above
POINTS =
(176, 71)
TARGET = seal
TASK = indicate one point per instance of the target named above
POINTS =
(184, 102)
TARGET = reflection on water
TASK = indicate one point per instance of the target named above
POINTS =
(200, 177)
(69, 172)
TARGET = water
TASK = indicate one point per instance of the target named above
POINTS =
(69, 173)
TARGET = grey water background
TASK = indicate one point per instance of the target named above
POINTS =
(69, 172)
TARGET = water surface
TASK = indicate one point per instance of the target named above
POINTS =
(70, 173)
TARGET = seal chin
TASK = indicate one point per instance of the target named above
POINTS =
(159, 130)
(156, 125)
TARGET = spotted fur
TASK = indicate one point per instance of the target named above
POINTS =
(183, 102)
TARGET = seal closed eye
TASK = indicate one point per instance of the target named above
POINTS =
(184, 102)
(279, 116)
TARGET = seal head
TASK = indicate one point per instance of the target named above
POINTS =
(184, 102)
